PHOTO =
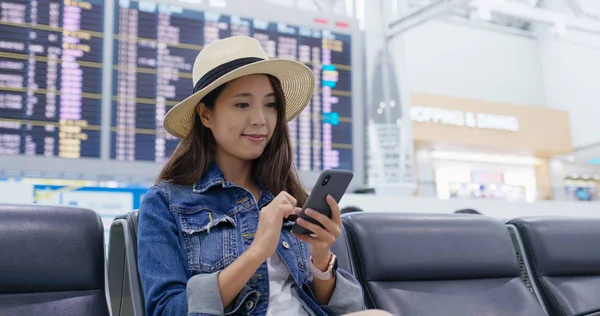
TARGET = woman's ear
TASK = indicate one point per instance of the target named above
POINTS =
(205, 114)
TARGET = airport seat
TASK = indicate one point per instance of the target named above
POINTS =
(563, 255)
(442, 264)
(340, 246)
(51, 261)
(125, 289)
(342, 253)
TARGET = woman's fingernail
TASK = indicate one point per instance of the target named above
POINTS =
(309, 211)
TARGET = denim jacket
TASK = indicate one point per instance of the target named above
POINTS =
(187, 234)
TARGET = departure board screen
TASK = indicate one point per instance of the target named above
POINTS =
(50, 77)
(155, 49)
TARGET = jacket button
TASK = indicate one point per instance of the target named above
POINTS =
(285, 245)
(249, 304)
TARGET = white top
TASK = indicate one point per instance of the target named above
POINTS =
(281, 299)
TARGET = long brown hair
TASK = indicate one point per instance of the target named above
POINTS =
(195, 153)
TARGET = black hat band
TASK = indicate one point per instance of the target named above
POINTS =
(221, 70)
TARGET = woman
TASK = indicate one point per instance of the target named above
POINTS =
(215, 231)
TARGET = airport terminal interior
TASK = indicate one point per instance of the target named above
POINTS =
(471, 129)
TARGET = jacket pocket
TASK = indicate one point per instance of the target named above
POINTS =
(209, 239)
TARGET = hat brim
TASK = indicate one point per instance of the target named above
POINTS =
(297, 82)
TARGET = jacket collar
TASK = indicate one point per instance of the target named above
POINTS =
(214, 176)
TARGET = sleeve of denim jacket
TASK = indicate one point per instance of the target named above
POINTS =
(167, 287)
(347, 296)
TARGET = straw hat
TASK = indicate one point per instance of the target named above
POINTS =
(232, 58)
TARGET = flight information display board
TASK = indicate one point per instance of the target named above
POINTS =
(50, 75)
(154, 50)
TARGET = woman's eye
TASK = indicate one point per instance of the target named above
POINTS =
(272, 104)
(242, 105)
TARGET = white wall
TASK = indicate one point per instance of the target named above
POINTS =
(572, 82)
(465, 61)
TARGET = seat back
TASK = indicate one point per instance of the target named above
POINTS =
(417, 264)
(123, 278)
(51, 261)
(342, 253)
(564, 258)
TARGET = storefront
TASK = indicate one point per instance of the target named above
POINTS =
(578, 174)
(485, 150)
(582, 187)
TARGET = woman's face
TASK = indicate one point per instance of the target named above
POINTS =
(243, 118)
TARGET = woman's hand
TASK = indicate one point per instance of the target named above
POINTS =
(269, 224)
(322, 239)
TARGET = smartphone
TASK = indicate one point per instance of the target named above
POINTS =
(332, 182)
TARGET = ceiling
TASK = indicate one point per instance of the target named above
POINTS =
(586, 9)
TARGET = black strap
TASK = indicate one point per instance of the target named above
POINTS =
(221, 70)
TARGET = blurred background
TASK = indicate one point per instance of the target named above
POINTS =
(435, 105)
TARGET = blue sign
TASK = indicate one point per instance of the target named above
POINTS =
(332, 118)
(330, 76)
(594, 161)
(42, 192)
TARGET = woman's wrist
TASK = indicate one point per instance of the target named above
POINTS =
(321, 261)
